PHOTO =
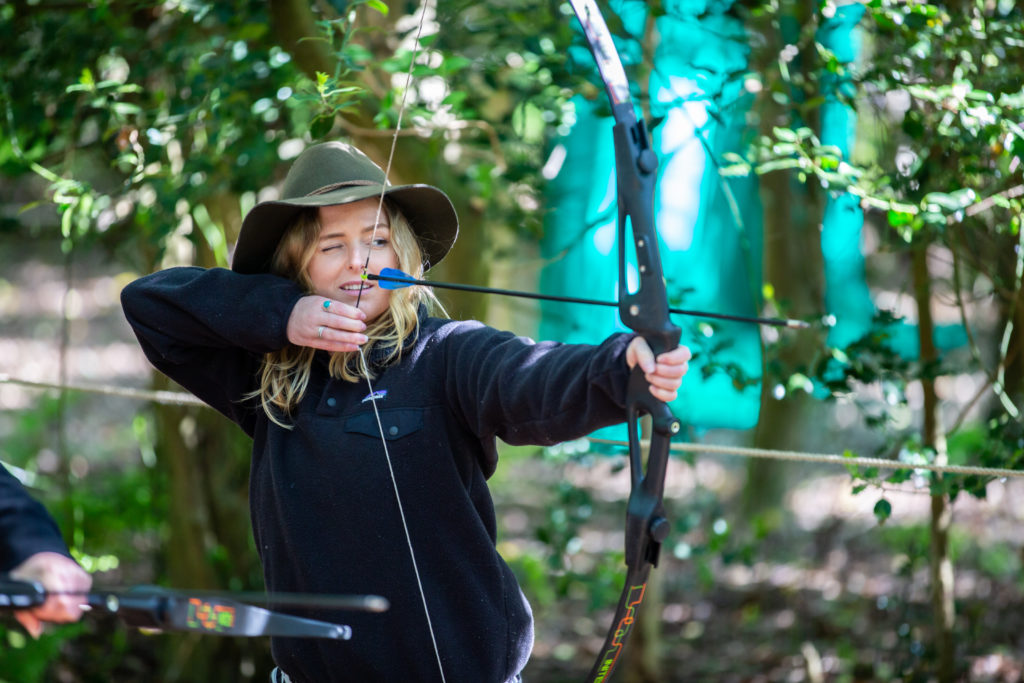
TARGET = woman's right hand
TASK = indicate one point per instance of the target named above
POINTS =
(326, 324)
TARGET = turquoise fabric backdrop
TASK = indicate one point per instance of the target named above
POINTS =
(710, 227)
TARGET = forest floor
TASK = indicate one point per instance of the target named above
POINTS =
(828, 596)
(824, 594)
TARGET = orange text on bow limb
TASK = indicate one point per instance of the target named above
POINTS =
(207, 616)
(633, 600)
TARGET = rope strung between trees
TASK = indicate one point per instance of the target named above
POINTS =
(829, 458)
(181, 398)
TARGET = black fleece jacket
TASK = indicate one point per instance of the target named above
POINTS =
(26, 528)
(323, 507)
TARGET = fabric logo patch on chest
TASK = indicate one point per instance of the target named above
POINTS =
(378, 395)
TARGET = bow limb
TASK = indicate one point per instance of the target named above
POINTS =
(644, 310)
(205, 612)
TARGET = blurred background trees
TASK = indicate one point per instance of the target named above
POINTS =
(884, 139)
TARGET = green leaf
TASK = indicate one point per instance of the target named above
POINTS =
(777, 164)
(125, 109)
(926, 93)
(785, 148)
(735, 171)
(321, 127)
(882, 510)
(66, 219)
(784, 134)
(950, 202)
(898, 219)
(452, 65)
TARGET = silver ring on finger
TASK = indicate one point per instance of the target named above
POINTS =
(320, 332)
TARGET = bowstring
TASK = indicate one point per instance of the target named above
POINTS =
(362, 355)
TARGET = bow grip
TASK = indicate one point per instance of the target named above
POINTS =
(16, 594)
(143, 607)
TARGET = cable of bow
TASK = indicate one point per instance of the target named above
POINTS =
(365, 365)
(644, 310)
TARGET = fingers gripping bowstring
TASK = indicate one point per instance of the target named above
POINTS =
(362, 354)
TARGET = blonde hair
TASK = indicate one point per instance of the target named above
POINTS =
(284, 374)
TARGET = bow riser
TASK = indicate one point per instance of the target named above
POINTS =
(646, 524)
(645, 310)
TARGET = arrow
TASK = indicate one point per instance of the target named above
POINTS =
(392, 278)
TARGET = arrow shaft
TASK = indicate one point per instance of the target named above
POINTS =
(775, 322)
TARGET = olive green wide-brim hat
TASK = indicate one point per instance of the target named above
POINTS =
(337, 173)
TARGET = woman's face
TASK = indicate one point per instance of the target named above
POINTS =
(347, 236)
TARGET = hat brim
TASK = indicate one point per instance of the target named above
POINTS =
(429, 211)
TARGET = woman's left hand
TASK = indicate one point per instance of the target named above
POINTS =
(664, 373)
(66, 582)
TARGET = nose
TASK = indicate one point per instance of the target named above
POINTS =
(356, 258)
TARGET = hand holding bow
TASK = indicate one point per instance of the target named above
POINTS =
(664, 373)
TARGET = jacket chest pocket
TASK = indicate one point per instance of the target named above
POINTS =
(394, 424)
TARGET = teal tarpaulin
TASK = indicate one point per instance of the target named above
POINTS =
(710, 227)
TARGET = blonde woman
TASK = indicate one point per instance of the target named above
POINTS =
(379, 486)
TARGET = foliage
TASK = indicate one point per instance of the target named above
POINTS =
(939, 165)
(954, 94)
(155, 128)
(937, 173)
(109, 509)
(139, 125)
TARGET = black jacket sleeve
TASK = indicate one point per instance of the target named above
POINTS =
(534, 393)
(208, 330)
(26, 528)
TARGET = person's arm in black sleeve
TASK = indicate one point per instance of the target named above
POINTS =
(31, 549)
(208, 329)
(535, 393)
(26, 528)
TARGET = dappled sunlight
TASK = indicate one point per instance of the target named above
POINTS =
(101, 348)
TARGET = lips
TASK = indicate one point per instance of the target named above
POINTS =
(354, 287)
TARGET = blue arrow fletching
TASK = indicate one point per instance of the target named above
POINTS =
(393, 272)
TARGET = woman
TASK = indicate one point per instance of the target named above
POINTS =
(374, 423)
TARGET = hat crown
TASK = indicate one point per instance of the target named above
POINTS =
(328, 166)
(334, 173)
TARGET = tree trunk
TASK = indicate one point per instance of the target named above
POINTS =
(205, 461)
(933, 437)
(793, 267)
